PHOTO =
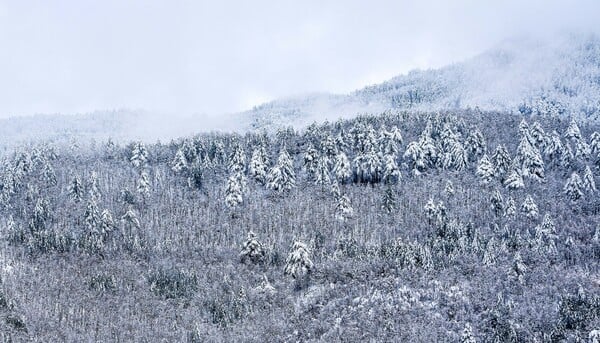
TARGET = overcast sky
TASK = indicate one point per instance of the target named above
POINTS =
(223, 56)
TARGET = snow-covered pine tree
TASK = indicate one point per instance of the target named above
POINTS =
(252, 249)
(489, 255)
(582, 150)
(595, 143)
(511, 207)
(475, 144)
(497, 203)
(390, 141)
(91, 216)
(573, 187)
(501, 161)
(545, 235)
(93, 187)
(460, 157)
(518, 268)
(143, 185)
(48, 173)
(573, 131)
(415, 154)
(523, 127)
(388, 202)
(430, 210)
(233, 192)
(589, 183)
(449, 189)
(76, 189)
(485, 169)
(367, 166)
(335, 189)
(528, 159)
(130, 219)
(298, 263)
(259, 162)
(342, 168)
(391, 172)
(322, 173)
(328, 146)
(467, 335)
(237, 160)
(529, 208)
(343, 208)
(514, 180)
(566, 156)
(282, 176)
(310, 161)
(554, 147)
(139, 155)
(594, 336)
(179, 163)
(538, 135)
(106, 222)
(41, 213)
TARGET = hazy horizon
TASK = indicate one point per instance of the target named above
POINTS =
(78, 57)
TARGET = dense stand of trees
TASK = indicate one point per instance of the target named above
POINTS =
(401, 226)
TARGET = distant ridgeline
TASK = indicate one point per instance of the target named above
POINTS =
(558, 78)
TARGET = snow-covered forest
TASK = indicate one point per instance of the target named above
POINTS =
(458, 226)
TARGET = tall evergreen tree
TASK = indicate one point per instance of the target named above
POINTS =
(501, 161)
(528, 159)
(282, 176)
(322, 173)
(342, 168)
(518, 268)
(179, 162)
(76, 189)
(514, 180)
(538, 135)
(595, 143)
(485, 169)
(139, 155)
(143, 185)
(93, 186)
(310, 161)
(391, 172)
(589, 183)
(573, 131)
(252, 249)
(511, 208)
(388, 202)
(573, 187)
(449, 189)
(529, 208)
(298, 262)
(467, 335)
(233, 192)
(343, 208)
(497, 203)
(554, 147)
(475, 144)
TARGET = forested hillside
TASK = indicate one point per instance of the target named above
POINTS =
(557, 77)
(458, 226)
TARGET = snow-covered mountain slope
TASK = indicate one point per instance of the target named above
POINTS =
(550, 77)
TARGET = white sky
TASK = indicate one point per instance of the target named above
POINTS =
(224, 56)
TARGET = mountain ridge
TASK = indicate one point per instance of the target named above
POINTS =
(526, 75)
(556, 77)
